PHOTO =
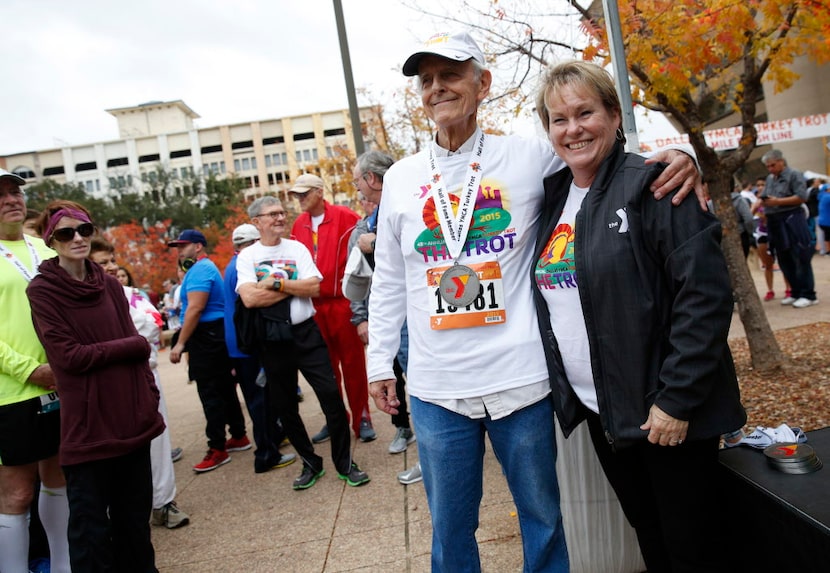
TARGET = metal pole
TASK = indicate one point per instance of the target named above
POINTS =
(354, 113)
(615, 43)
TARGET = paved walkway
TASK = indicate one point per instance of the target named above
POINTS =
(247, 522)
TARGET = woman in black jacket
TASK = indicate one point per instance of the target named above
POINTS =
(634, 305)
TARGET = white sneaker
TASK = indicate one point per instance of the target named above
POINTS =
(403, 437)
(788, 300)
(804, 303)
(412, 475)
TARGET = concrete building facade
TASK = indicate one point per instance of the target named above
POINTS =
(159, 139)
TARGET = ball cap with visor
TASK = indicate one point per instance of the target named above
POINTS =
(16, 178)
(458, 46)
(188, 236)
(244, 233)
(306, 183)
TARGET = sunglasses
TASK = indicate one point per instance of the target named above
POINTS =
(66, 234)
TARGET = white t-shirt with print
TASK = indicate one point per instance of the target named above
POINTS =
(555, 272)
(482, 359)
(288, 260)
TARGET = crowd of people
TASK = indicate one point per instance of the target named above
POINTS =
(786, 223)
(471, 243)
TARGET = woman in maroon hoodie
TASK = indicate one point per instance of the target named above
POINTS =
(108, 400)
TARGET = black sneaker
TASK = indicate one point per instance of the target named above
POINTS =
(355, 477)
(308, 478)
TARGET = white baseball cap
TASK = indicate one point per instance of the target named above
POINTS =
(244, 233)
(458, 46)
(16, 178)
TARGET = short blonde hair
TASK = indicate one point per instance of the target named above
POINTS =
(580, 73)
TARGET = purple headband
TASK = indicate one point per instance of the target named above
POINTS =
(61, 213)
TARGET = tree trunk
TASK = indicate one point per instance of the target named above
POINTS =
(763, 347)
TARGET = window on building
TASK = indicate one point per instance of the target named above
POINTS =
(149, 158)
(242, 144)
(299, 156)
(116, 162)
(53, 171)
(246, 164)
(211, 149)
(90, 166)
(180, 153)
(24, 172)
(267, 161)
(253, 162)
(334, 132)
(314, 154)
(306, 155)
(329, 152)
(237, 165)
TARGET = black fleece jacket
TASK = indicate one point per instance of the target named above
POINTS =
(657, 301)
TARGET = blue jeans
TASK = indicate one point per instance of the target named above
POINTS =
(451, 451)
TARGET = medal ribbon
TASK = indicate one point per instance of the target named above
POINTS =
(456, 226)
(18, 264)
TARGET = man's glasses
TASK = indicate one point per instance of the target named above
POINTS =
(273, 215)
(66, 234)
(358, 180)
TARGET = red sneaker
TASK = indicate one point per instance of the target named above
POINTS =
(237, 444)
(769, 296)
(213, 459)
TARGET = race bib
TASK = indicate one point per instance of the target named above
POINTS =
(486, 309)
(49, 403)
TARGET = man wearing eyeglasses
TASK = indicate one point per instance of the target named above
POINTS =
(29, 406)
(278, 279)
(203, 336)
(325, 230)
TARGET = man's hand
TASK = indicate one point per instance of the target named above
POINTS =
(176, 353)
(363, 331)
(384, 395)
(366, 243)
(681, 173)
(44, 377)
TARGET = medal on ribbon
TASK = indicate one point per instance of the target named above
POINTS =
(459, 285)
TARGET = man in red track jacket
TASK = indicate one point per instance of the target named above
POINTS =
(325, 229)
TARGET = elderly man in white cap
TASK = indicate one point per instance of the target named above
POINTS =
(29, 405)
(456, 230)
(247, 367)
(325, 230)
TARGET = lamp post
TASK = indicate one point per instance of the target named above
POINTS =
(612, 26)
(354, 113)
